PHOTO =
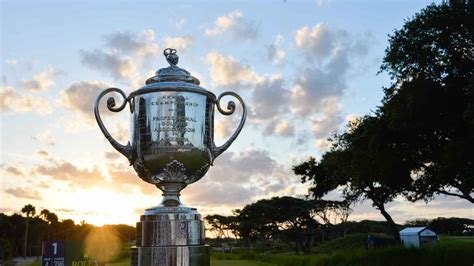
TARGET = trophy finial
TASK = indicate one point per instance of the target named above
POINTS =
(171, 56)
(173, 72)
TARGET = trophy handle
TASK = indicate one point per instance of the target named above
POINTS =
(126, 150)
(230, 110)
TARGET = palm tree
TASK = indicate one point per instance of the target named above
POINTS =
(44, 214)
(51, 218)
(28, 210)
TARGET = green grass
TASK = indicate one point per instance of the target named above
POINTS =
(123, 262)
(350, 251)
(238, 263)
(450, 250)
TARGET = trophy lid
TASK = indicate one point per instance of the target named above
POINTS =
(173, 72)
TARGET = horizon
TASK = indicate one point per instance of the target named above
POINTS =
(303, 78)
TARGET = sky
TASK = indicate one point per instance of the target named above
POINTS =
(304, 69)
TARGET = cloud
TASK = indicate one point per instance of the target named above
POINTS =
(41, 82)
(240, 167)
(235, 25)
(125, 178)
(330, 121)
(12, 101)
(321, 3)
(120, 131)
(11, 62)
(142, 44)
(269, 98)
(275, 53)
(112, 155)
(218, 194)
(68, 172)
(42, 154)
(241, 178)
(125, 42)
(315, 84)
(318, 88)
(80, 97)
(46, 138)
(317, 41)
(180, 23)
(178, 43)
(224, 127)
(23, 194)
(323, 145)
(125, 55)
(118, 67)
(285, 129)
(14, 171)
(227, 71)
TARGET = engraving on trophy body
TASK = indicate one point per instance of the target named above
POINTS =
(171, 136)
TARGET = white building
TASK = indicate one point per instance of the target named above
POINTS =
(417, 236)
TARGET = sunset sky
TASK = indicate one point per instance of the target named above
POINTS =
(304, 68)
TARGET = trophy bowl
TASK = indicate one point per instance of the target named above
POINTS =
(171, 129)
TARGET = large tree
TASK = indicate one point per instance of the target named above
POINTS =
(430, 104)
(420, 141)
(364, 164)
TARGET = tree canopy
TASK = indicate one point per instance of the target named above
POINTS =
(430, 105)
(419, 142)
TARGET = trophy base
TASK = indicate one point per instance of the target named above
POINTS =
(171, 256)
(170, 236)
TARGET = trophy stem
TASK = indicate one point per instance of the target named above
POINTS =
(171, 199)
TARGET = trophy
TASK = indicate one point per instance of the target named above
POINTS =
(171, 146)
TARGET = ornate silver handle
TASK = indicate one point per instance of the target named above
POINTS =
(126, 150)
(230, 110)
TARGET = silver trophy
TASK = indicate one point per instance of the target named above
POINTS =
(172, 146)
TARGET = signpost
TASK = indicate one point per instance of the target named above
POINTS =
(65, 253)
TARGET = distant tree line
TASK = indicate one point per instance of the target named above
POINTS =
(300, 224)
(448, 226)
(22, 235)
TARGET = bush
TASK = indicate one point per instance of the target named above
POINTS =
(6, 249)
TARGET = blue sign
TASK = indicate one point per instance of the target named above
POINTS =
(54, 253)
(66, 253)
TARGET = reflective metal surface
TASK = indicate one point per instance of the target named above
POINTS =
(172, 228)
(171, 146)
(172, 129)
(171, 256)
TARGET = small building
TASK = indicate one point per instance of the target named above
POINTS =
(418, 236)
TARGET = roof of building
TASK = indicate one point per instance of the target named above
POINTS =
(412, 230)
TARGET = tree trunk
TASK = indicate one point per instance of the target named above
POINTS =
(26, 238)
(391, 223)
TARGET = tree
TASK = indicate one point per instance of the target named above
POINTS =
(223, 227)
(420, 141)
(430, 103)
(286, 218)
(28, 210)
(49, 217)
(364, 164)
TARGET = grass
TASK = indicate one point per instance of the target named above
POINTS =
(350, 251)
(238, 263)
(450, 250)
